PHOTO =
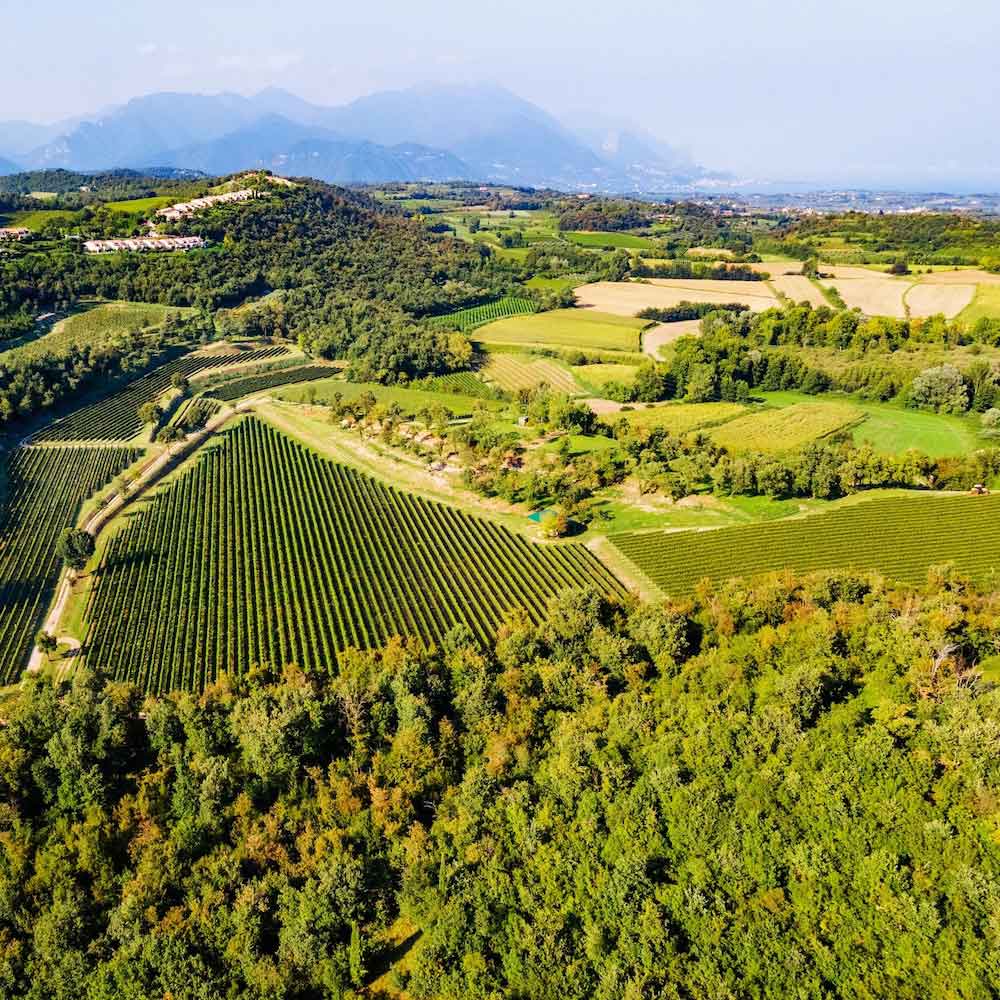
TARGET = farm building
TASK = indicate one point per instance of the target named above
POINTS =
(185, 208)
(144, 244)
(12, 234)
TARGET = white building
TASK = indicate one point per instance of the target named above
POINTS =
(144, 244)
(185, 208)
(14, 233)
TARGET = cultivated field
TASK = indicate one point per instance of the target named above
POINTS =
(657, 337)
(46, 488)
(567, 328)
(799, 288)
(927, 299)
(626, 298)
(523, 371)
(679, 418)
(595, 376)
(900, 538)
(610, 241)
(265, 553)
(787, 428)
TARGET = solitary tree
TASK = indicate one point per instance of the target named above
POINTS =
(180, 381)
(46, 642)
(75, 547)
(149, 413)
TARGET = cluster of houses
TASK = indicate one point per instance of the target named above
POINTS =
(10, 235)
(144, 244)
(185, 208)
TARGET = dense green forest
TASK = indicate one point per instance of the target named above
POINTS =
(772, 791)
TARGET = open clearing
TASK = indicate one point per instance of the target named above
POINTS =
(900, 538)
(787, 428)
(567, 328)
(626, 298)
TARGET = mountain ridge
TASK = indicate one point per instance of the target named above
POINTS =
(428, 132)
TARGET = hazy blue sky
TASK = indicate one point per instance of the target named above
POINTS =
(862, 90)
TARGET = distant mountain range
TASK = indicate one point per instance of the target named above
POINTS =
(428, 133)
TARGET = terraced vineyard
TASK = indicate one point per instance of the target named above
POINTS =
(269, 380)
(115, 419)
(899, 537)
(264, 552)
(47, 487)
(469, 319)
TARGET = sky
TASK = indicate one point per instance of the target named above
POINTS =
(846, 92)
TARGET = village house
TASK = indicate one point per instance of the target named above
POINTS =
(14, 233)
(144, 244)
(185, 208)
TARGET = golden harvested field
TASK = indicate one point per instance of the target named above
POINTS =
(960, 277)
(522, 371)
(926, 299)
(626, 298)
(787, 428)
(799, 289)
(582, 328)
(666, 333)
(873, 295)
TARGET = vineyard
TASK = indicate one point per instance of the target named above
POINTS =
(270, 380)
(462, 383)
(468, 319)
(47, 487)
(263, 552)
(115, 418)
(520, 371)
(196, 412)
(900, 538)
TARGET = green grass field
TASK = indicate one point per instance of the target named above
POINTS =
(555, 284)
(610, 241)
(785, 429)
(262, 552)
(899, 537)
(36, 220)
(142, 206)
(593, 377)
(985, 304)
(892, 428)
(410, 400)
(581, 328)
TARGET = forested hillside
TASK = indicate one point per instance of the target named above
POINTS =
(778, 791)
